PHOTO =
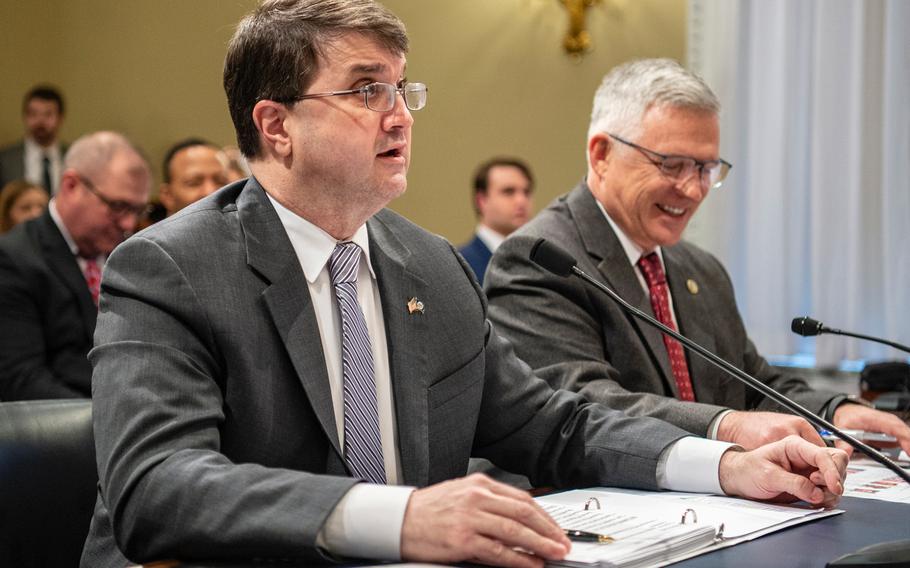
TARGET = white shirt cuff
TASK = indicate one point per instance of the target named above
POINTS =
(692, 464)
(366, 523)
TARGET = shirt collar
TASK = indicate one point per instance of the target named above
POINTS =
(55, 215)
(313, 245)
(32, 147)
(632, 250)
(489, 237)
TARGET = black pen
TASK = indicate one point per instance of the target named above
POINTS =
(582, 536)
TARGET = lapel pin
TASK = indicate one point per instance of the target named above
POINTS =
(415, 306)
(692, 285)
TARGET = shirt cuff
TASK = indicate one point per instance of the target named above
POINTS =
(366, 522)
(715, 424)
(692, 464)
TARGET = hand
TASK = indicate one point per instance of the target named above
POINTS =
(859, 417)
(477, 519)
(785, 471)
(752, 430)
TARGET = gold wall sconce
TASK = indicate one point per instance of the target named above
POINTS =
(578, 41)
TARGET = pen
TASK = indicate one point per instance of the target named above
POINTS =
(859, 435)
(582, 536)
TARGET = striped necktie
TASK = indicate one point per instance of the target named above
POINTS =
(362, 442)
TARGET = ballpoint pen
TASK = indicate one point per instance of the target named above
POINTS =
(859, 435)
(583, 536)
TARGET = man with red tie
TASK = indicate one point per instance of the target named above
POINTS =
(50, 269)
(653, 156)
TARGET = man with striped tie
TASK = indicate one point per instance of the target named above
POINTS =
(288, 369)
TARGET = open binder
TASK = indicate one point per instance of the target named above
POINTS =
(660, 528)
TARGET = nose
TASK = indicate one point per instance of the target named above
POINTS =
(399, 117)
(127, 223)
(693, 187)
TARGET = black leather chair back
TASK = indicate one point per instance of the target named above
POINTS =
(48, 481)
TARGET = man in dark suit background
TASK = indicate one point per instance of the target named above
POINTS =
(50, 269)
(193, 168)
(38, 158)
(262, 353)
(653, 146)
(503, 200)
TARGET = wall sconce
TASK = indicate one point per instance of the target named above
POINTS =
(578, 41)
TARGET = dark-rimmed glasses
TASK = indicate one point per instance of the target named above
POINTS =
(379, 97)
(118, 208)
(681, 168)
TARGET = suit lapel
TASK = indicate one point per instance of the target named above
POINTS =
(63, 263)
(287, 298)
(606, 253)
(405, 331)
(691, 314)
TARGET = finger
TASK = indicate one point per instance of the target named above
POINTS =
(810, 434)
(782, 481)
(832, 464)
(495, 553)
(512, 533)
(844, 446)
(516, 504)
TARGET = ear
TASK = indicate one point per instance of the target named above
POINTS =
(269, 118)
(165, 196)
(480, 201)
(68, 182)
(599, 148)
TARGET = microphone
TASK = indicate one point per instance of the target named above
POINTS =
(557, 260)
(808, 327)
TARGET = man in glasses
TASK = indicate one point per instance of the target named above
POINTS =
(653, 157)
(50, 269)
(280, 364)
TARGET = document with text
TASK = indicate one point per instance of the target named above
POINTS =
(660, 528)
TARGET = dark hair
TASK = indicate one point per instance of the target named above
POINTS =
(8, 197)
(482, 174)
(182, 145)
(45, 93)
(276, 51)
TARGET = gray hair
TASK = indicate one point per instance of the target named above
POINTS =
(91, 153)
(631, 89)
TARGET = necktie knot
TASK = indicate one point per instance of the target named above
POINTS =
(344, 262)
(652, 270)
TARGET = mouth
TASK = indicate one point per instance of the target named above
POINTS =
(392, 153)
(672, 211)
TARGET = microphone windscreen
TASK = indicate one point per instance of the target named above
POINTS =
(552, 257)
(806, 326)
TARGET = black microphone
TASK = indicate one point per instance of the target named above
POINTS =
(808, 327)
(557, 260)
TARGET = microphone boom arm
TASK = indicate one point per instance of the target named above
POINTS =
(794, 407)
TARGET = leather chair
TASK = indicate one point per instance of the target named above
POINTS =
(48, 480)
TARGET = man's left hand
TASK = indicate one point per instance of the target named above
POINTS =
(859, 417)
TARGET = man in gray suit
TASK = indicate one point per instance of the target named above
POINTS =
(38, 158)
(652, 158)
(278, 365)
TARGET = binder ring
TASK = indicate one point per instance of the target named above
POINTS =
(685, 514)
(592, 501)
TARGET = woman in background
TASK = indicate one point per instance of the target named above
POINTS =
(20, 201)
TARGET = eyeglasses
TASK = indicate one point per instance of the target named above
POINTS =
(681, 168)
(379, 97)
(118, 208)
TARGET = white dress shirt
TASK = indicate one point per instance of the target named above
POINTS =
(367, 521)
(489, 237)
(34, 168)
(634, 253)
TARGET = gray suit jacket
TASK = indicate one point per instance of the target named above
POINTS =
(579, 339)
(213, 417)
(12, 163)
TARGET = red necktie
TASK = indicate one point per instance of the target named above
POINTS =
(660, 303)
(93, 278)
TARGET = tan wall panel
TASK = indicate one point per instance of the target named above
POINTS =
(499, 81)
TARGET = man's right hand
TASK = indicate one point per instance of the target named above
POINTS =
(755, 429)
(477, 519)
